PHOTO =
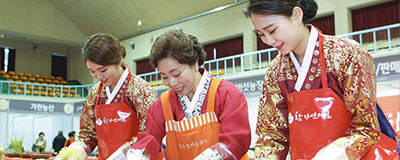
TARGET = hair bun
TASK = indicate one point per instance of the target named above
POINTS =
(310, 8)
(194, 39)
(122, 51)
(176, 44)
(198, 47)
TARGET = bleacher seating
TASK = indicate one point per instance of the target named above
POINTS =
(221, 72)
(40, 88)
(36, 92)
(13, 85)
(6, 76)
(63, 82)
(30, 87)
(22, 86)
(56, 81)
(17, 91)
(35, 85)
(36, 76)
(155, 83)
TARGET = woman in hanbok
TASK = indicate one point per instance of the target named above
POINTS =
(114, 111)
(319, 94)
(201, 117)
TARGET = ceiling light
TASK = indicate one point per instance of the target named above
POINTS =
(139, 23)
(132, 44)
(2, 35)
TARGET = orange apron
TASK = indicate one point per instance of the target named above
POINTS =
(188, 138)
(318, 117)
(116, 124)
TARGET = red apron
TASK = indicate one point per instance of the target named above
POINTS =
(188, 138)
(318, 117)
(116, 124)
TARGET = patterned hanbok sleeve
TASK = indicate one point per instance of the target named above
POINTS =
(272, 126)
(357, 78)
(144, 97)
(87, 134)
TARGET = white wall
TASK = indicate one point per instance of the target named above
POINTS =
(77, 68)
(39, 19)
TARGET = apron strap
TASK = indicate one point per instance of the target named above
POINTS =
(324, 78)
(166, 106)
(123, 93)
(211, 94)
(98, 93)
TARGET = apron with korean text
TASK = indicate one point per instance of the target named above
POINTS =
(187, 138)
(318, 117)
(116, 124)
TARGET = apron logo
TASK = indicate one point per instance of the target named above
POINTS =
(193, 144)
(309, 116)
(99, 122)
(324, 103)
(123, 115)
(122, 118)
(290, 118)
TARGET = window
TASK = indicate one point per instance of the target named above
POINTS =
(7, 59)
(224, 48)
(376, 16)
(326, 24)
(59, 65)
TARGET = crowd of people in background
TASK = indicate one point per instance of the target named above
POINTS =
(59, 142)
